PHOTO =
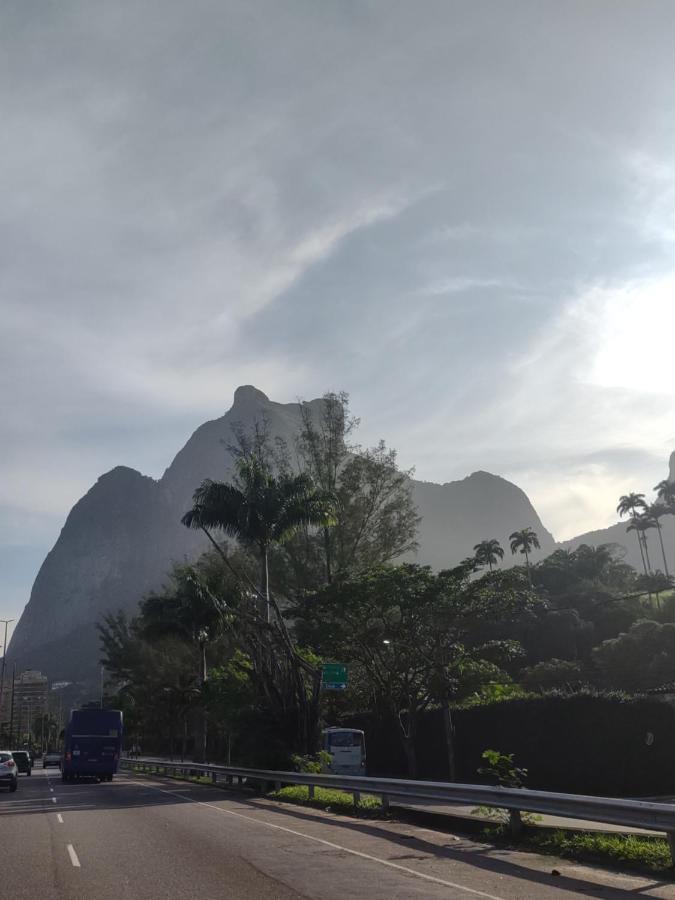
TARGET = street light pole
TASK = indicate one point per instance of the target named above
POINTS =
(4, 661)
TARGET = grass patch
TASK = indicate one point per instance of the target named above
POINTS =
(631, 850)
(324, 798)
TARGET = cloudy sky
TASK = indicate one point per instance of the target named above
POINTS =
(462, 213)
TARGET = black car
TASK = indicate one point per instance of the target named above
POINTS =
(23, 761)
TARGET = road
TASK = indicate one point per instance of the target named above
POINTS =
(152, 838)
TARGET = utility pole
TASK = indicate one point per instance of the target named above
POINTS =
(11, 713)
(4, 660)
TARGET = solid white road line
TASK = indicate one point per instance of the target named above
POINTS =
(309, 837)
(60, 818)
(73, 856)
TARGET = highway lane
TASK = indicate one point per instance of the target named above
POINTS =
(150, 838)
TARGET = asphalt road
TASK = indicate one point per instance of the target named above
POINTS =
(150, 838)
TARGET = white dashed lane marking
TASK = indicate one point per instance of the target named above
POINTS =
(60, 818)
(73, 856)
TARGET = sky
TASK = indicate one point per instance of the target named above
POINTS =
(461, 213)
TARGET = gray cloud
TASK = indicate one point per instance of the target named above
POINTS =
(406, 202)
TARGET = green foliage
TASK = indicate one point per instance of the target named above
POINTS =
(501, 768)
(634, 851)
(642, 658)
(312, 765)
(324, 798)
(553, 674)
(375, 517)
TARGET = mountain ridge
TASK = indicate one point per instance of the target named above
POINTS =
(120, 539)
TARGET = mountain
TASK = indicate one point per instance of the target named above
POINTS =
(617, 534)
(121, 538)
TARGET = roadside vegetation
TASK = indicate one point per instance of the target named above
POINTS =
(303, 568)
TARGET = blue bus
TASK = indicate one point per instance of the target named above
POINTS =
(92, 744)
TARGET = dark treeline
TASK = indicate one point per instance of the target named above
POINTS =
(225, 661)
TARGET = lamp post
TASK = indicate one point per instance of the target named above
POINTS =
(4, 660)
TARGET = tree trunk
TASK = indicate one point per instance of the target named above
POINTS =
(642, 553)
(327, 550)
(408, 736)
(663, 551)
(527, 563)
(449, 728)
(202, 728)
(649, 564)
(265, 581)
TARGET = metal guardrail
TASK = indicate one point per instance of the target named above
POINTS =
(606, 810)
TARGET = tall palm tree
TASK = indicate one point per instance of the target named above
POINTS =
(665, 491)
(655, 512)
(524, 541)
(634, 504)
(259, 511)
(489, 552)
(640, 524)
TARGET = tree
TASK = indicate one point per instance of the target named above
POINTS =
(412, 638)
(655, 512)
(194, 611)
(259, 511)
(375, 517)
(263, 510)
(524, 541)
(489, 552)
(665, 491)
(633, 504)
(640, 524)
(640, 659)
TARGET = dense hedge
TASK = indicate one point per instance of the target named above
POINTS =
(584, 743)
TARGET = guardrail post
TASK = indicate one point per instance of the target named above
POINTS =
(357, 798)
(229, 779)
(516, 823)
(214, 777)
(277, 785)
(385, 803)
(310, 791)
(670, 835)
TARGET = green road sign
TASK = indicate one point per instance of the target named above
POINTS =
(334, 677)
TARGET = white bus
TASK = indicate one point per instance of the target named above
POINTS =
(347, 748)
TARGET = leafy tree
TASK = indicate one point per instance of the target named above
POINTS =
(553, 674)
(413, 638)
(195, 611)
(489, 552)
(642, 658)
(375, 518)
(524, 541)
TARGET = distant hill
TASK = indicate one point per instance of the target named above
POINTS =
(121, 538)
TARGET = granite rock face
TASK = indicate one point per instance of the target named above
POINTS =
(120, 539)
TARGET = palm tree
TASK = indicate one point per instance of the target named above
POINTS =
(655, 512)
(259, 511)
(489, 552)
(665, 491)
(524, 541)
(640, 524)
(634, 504)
